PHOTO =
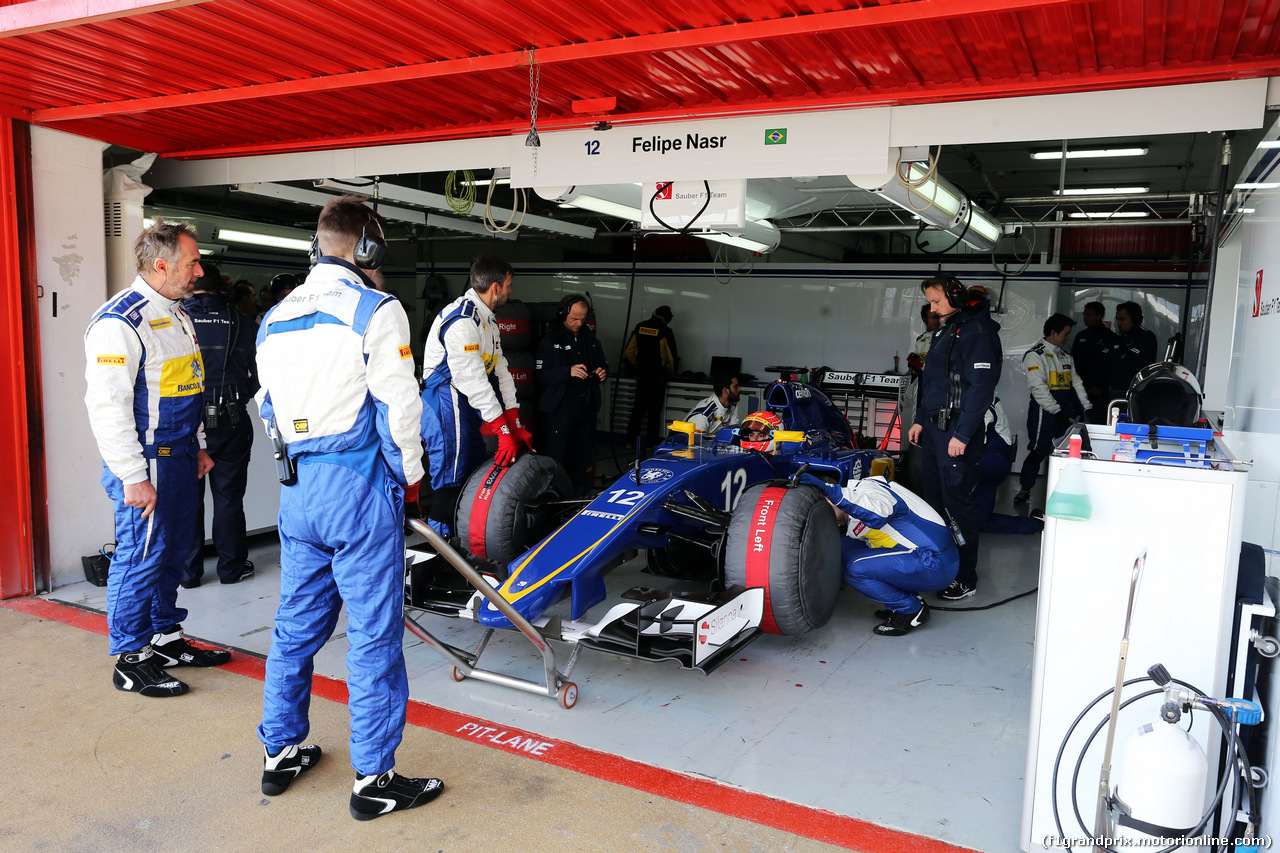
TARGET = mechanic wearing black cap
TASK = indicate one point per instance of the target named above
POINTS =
(570, 367)
(281, 286)
(226, 339)
(651, 350)
(957, 386)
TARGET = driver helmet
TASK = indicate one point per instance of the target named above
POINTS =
(1164, 394)
(756, 431)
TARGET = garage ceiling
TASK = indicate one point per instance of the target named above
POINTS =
(221, 78)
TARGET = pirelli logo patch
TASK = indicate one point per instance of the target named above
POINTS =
(164, 451)
(648, 330)
(300, 425)
(162, 323)
(471, 348)
(406, 352)
(111, 359)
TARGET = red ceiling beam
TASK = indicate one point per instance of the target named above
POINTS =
(41, 16)
(916, 12)
(1199, 73)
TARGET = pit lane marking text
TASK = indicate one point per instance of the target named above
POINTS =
(515, 741)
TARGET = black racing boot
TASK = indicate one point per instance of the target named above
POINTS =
(374, 796)
(140, 672)
(172, 649)
(279, 770)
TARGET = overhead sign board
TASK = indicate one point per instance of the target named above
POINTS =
(669, 205)
(839, 142)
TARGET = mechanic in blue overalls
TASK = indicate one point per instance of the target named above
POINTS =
(338, 391)
(896, 547)
(1057, 396)
(957, 386)
(993, 470)
(226, 340)
(145, 382)
(467, 390)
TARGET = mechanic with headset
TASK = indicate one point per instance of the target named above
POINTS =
(282, 284)
(896, 546)
(468, 391)
(339, 395)
(145, 381)
(719, 410)
(651, 351)
(1057, 397)
(569, 370)
(957, 387)
(226, 339)
(1134, 350)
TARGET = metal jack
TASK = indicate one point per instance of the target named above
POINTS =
(556, 685)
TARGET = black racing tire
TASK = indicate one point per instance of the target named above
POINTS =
(802, 574)
(508, 528)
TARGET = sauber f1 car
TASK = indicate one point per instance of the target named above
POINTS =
(703, 507)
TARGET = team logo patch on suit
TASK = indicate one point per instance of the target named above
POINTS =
(182, 376)
(162, 323)
(164, 451)
(647, 330)
(406, 352)
(300, 425)
(116, 360)
(471, 348)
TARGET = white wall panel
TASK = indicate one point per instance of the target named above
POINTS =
(71, 274)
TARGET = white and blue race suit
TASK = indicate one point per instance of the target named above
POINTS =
(896, 545)
(1056, 390)
(338, 386)
(465, 383)
(145, 394)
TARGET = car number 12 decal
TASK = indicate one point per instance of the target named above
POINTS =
(625, 497)
(734, 484)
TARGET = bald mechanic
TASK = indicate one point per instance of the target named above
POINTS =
(468, 391)
(146, 399)
(338, 390)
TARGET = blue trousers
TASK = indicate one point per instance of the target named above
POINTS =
(993, 468)
(950, 484)
(451, 431)
(341, 542)
(893, 576)
(151, 553)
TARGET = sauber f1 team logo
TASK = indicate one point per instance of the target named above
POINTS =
(664, 191)
(1261, 309)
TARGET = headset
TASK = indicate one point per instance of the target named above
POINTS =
(369, 253)
(957, 294)
(567, 303)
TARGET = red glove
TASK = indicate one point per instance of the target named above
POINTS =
(914, 362)
(508, 444)
(411, 493)
(523, 436)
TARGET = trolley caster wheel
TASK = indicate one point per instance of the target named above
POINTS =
(567, 696)
(1259, 777)
(456, 674)
(1267, 646)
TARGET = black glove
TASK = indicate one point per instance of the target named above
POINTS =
(1064, 420)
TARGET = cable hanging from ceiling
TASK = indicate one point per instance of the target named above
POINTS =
(461, 201)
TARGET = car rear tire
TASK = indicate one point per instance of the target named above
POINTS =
(786, 541)
(508, 522)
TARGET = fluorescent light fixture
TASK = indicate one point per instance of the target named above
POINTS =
(1089, 152)
(1268, 186)
(273, 241)
(484, 182)
(1246, 210)
(936, 201)
(1120, 214)
(1103, 191)
(619, 201)
(1274, 143)
(757, 236)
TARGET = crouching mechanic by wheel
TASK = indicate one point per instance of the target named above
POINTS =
(897, 546)
(468, 390)
(338, 392)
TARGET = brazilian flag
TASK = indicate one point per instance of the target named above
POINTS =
(775, 136)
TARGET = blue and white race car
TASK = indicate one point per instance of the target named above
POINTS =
(702, 507)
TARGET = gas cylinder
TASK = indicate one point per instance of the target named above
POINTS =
(1162, 779)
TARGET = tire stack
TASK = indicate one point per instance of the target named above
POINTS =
(518, 337)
